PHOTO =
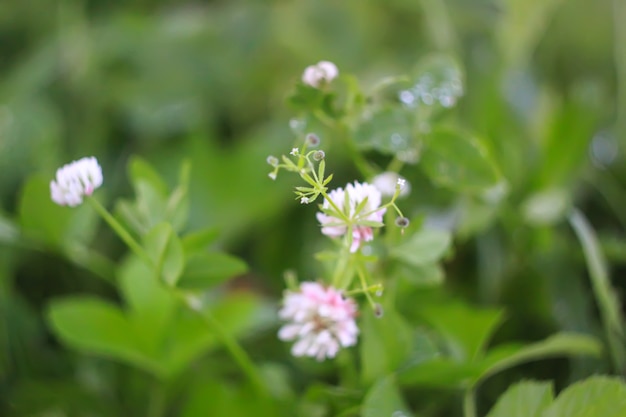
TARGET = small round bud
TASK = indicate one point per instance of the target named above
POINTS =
(319, 155)
(402, 222)
(272, 160)
(313, 140)
(378, 310)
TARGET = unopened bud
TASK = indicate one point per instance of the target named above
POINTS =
(313, 140)
(272, 160)
(319, 155)
(402, 222)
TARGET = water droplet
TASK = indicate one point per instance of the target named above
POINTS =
(407, 97)
(398, 141)
(603, 150)
(447, 101)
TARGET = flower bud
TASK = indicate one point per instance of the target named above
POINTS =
(272, 160)
(402, 222)
(313, 140)
(319, 155)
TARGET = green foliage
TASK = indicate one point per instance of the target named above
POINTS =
(596, 396)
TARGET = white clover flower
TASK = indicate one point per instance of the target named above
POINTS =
(320, 73)
(387, 181)
(76, 180)
(320, 320)
(334, 226)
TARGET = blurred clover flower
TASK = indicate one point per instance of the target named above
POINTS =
(320, 319)
(387, 182)
(320, 73)
(357, 207)
(76, 180)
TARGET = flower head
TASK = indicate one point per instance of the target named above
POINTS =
(320, 320)
(334, 225)
(76, 180)
(320, 73)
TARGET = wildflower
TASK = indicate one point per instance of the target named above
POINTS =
(319, 155)
(272, 175)
(321, 73)
(387, 182)
(304, 200)
(294, 152)
(335, 226)
(75, 180)
(320, 320)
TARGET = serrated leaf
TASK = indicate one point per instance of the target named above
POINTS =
(524, 399)
(596, 396)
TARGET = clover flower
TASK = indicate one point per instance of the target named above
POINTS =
(320, 320)
(320, 73)
(387, 181)
(76, 180)
(334, 225)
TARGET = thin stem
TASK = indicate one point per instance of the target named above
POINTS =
(120, 231)
(469, 403)
(608, 303)
(234, 349)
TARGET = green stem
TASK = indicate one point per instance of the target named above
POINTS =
(234, 349)
(120, 231)
(604, 294)
(469, 403)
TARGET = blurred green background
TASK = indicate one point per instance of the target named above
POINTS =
(169, 80)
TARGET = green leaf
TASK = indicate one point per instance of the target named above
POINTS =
(384, 399)
(596, 396)
(388, 130)
(458, 161)
(440, 373)
(94, 326)
(39, 216)
(177, 210)
(561, 344)
(9, 232)
(524, 399)
(385, 344)
(466, 329)
(206, 270)
(420, 275)
(423, 247)
(306, 97)
(166, 251)
(605, 295)
(199, 240)
(140, 171)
